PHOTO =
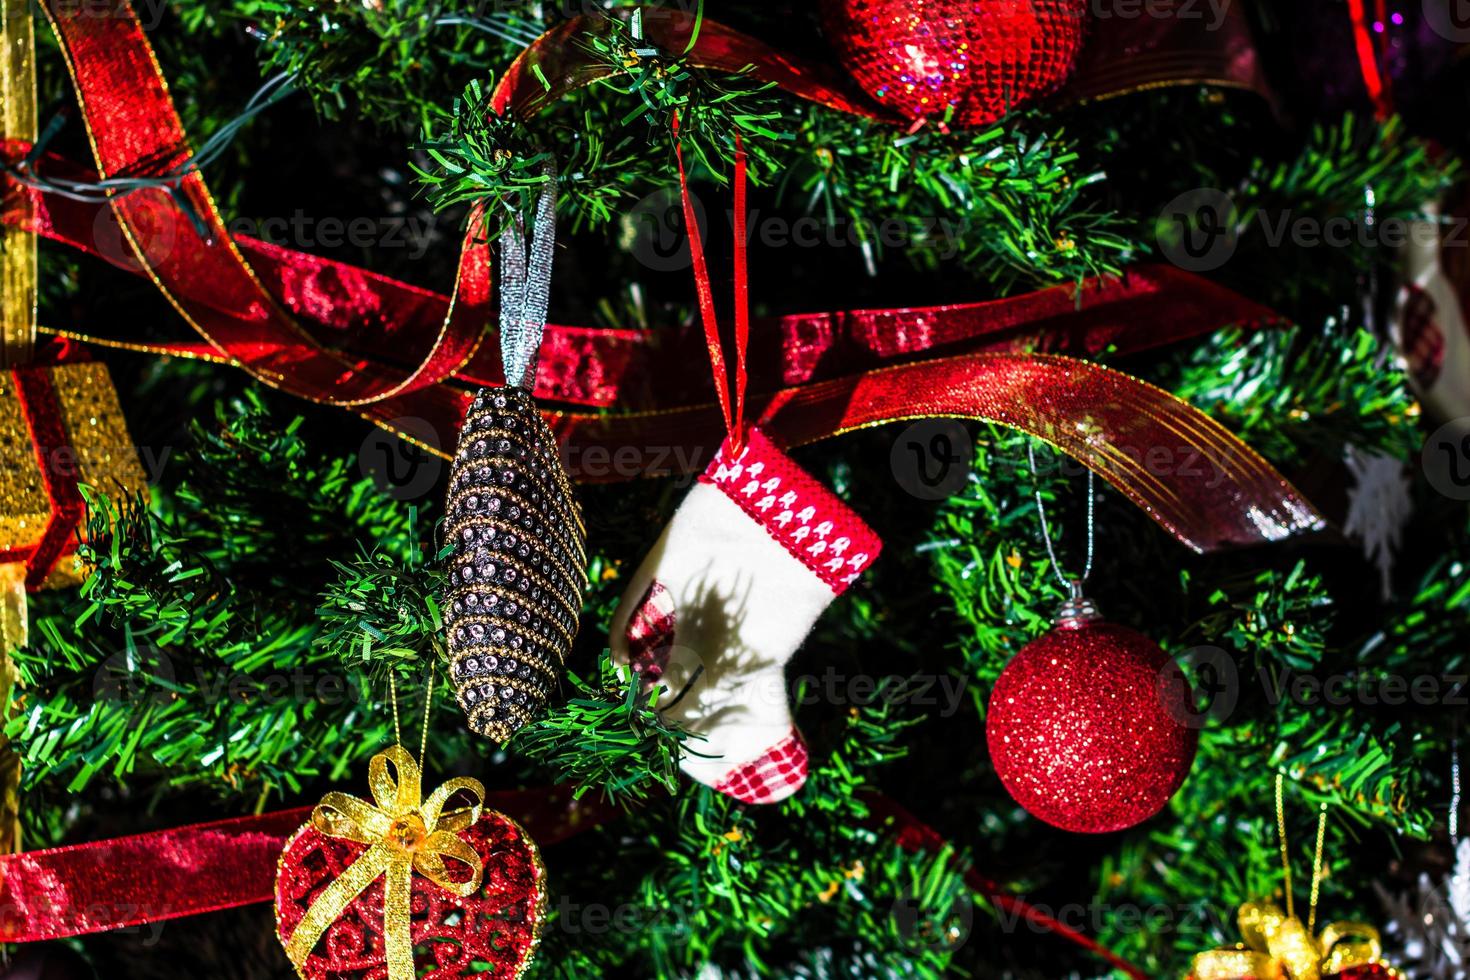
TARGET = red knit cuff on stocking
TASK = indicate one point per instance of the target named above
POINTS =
(818, 530)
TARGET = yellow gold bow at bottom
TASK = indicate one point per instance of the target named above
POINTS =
(1279, 947)
(405, 834)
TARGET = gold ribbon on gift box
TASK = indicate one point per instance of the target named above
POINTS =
(17, 122)
(1278, 946)
(405, 834)
(61, 427)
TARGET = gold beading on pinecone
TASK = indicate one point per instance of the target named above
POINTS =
(518, 571)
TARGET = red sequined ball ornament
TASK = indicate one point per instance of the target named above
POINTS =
(492, 933)
(983, 57)
(1088, 725)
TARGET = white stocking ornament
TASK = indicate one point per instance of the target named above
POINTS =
(1430, 326)
(755, 553)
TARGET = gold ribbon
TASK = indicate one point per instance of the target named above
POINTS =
(1278, 947)
(405, 834)
(17, 122)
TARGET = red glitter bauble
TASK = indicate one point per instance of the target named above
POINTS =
(490, 934)
(983, 57)
(1088, 729)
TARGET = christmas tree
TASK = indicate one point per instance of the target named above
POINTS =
(1149, 313)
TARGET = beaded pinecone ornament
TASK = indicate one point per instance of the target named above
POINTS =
(517, 573)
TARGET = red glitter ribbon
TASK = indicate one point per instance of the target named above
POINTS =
(167, 874)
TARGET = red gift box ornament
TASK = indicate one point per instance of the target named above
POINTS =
(365, 884)
(1278, 946)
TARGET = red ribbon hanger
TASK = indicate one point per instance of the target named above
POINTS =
(734, 413)
(1373, 79)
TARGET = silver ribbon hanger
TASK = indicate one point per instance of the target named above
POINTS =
(525, 284)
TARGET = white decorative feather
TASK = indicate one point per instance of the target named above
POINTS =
(1379, 506)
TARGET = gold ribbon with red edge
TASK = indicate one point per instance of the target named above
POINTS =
(405, 834)
(1279, 947)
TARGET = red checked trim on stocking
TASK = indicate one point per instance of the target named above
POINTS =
(650, 633)
(807, 519)
(777, 774)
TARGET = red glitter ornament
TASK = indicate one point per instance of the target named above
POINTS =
(1086, 725)
(983, 57)
(490, 934)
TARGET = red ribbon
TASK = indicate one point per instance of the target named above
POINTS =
(125, 882)
(1181, 467)
(563, 60)
(167, 874)
(1152, 305)
(734, 416)
(1373, 79)
(135, 130)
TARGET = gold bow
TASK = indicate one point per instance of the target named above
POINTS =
(1278, 947)
(404, 833)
